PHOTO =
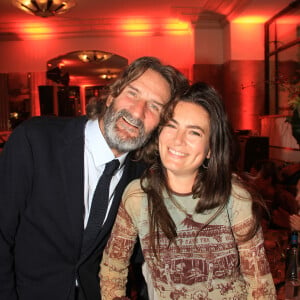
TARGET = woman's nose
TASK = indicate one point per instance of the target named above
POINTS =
(179, 137)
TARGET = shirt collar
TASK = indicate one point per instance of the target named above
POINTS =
(97, 145)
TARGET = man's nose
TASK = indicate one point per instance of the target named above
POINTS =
(138, 109)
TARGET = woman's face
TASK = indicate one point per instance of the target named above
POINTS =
(184, 140)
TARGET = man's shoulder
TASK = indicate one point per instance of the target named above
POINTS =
(53, 121)
(49, 128)
(49, 124)
(136, 166)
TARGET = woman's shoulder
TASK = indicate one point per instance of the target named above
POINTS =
(240, 202)
(133, 187)
(239, 189)
(132, 196)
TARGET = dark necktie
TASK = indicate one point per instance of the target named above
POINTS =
(99, 205)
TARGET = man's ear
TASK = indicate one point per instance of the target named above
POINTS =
(109, 100)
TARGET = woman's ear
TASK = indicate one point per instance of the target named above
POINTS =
(208, 154)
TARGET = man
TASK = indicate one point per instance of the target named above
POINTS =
(49, 169)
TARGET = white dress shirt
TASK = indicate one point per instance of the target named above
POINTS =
(96, 154)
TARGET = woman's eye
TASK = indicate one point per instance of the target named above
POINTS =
(170, 125)
(196, 133)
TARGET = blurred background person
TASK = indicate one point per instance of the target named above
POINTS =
(266, 177)
(295, 218)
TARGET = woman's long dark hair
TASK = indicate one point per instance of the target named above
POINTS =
(213, 182)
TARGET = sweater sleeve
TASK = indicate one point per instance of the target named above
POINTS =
(253, 261)
(116, 256)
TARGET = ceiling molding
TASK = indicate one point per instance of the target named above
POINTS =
(133, 17)
(209, 20)
(222, 7)
(65, 28)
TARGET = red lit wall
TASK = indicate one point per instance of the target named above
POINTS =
(243, 89)
(170, 40)
(243, 84)
(247, 41)
(227, 57)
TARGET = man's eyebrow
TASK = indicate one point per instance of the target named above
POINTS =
(159, 104)
(132, 87)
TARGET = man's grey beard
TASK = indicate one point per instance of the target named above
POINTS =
(112, 137)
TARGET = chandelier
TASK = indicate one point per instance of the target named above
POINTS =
(94, 56)
(44, 8)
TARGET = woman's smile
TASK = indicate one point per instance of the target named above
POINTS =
(176, 153)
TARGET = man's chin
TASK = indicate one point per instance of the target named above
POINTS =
(130, 142)
(125, 146)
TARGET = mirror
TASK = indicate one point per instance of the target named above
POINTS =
(85, 67)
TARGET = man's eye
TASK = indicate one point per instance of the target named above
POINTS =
(132, 94)
(154, 107)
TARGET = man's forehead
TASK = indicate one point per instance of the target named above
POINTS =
(152, 81)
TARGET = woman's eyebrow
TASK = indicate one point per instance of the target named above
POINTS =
(189, 126)
(196, 127)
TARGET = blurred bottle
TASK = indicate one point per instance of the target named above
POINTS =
(292, 283)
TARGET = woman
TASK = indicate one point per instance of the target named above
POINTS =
(193, 216)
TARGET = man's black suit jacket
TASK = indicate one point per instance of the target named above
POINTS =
(41, 212)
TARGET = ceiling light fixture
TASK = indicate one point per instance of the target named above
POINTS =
(44, 8)
(108, 75)
(94, 56)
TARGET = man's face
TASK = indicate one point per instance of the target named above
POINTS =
(132, 116)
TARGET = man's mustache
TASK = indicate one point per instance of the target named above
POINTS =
(130, 119)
